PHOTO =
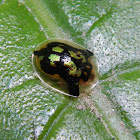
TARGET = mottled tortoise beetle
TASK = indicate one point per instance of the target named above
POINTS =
(65, 66)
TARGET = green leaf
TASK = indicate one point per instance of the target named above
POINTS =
(110, 29)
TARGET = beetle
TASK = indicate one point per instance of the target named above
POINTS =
(64, 63)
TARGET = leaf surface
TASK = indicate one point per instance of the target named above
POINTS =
(110, 29)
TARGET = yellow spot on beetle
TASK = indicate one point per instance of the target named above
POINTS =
(53, 58)
(72, 67)
(57, 49)
(78, 55)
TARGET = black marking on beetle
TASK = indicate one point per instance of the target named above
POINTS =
(69, 67)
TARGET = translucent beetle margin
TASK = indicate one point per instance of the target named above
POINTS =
(65, 66)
